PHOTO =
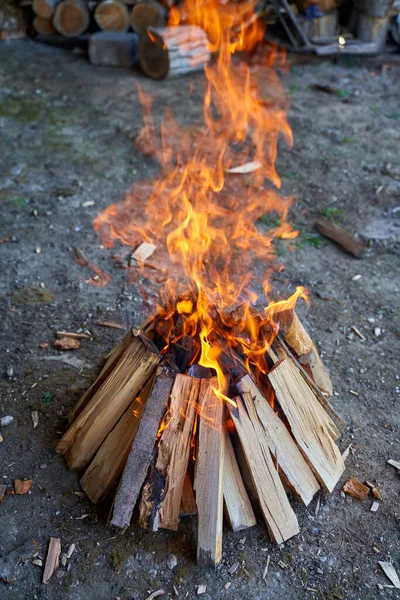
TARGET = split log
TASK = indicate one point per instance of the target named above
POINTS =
(112, 15)
(298, 339)
(311, 427)
(71, 17)
(43, 26)
(44, 8)
(238, 509)
(281, 444)
(87, 432)
(147, 15)
(340, 236)
(278, 514)
(141, 452)
(112, 455)
(111, 360)
(188, 503)
(161, 503)
(208, 482)
(52, 558)
(173, 51)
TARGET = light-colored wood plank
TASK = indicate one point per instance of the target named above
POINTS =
(87, 432)
(278, 514)
(188, 503)
(281, 444)
(208, 482)
(312, 428)
(53, 554)
(112, 455)
(238, 507)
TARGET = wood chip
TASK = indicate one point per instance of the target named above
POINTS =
(155, 594)
(358, 332)
(232, 570)
(340, 236)
(346, 453)
(52, 559)
(38, 562)
(85, 516)
(22, 486)
(201, 589)
(1, 439)
(394, 463)
(390, 573)
(143, 252)
(265, 572)
(3, 489)
(109, 324)
(35, 418)
(246, 168)
(375, 506)
(71, 550)
(374, 490)
(71, 334)
(66, 343)
(43, 345)
(353, 487)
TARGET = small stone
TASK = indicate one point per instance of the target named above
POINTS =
(42, 285)
(38, 250)
(228, 585)
(43, 466)
(6, 420)
(201, 589)
(356, 277)
(377, 331)
(10, 371)
(371, 319)
(172, 561)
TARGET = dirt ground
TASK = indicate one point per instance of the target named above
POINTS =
(67, 135)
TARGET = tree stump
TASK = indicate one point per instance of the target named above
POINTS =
(112, 15)
(173, 51)
(148, 14)
(71, 17)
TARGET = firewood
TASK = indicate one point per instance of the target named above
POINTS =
(43, 26)
(237, 505)
(148, 14)
(44, 8)
(281, 444)
(209, 483)
(172, 51)
(311, 427)
(340, 236)
(87, 432)
(111, 361)
(188, 503)
(141, 452)
(353, 487)
(278, 514)
(112, 455)
(172, 458)
(298, 339)
(71, 17)
(112, 15)
(53, 554)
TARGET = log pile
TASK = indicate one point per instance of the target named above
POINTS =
(174, 446)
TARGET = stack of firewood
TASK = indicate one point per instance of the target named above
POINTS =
(156, 421)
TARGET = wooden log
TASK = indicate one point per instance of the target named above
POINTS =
(311, 427)
(87, 432)
(44, 8)
(188, 503)
(278, 514)
(111, 361)
(208, 482)
(281, 444)
(299, 340)
(372, 29)
(71, 17)
(43, 26)
(112, 15)
(172, 458)
(340, 236)
(147, 15)
(112, 455)
(141, 452)
(238, 509)
(173, 51)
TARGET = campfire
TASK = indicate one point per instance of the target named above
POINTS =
(218, 404)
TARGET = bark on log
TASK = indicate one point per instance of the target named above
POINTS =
(173, 51)
(44, 26)
(141, 452)
(146, 15)
(112, 15)
(71, 17)
(340, 236)
(44, 8)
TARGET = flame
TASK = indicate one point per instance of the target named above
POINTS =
(205, 217)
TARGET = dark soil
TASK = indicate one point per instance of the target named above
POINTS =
(67, 135)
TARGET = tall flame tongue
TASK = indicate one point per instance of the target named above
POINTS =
(206, 215)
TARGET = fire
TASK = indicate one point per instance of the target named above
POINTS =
(204, 216)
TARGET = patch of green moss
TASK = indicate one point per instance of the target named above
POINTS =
(31, 296)
(19, 108)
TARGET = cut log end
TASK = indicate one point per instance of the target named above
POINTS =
(112, 15)
(71, 18)
(147, 15)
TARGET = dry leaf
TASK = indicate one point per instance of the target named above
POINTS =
(390, 573)
(22, 486)
(246, 168)
(66, 344)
